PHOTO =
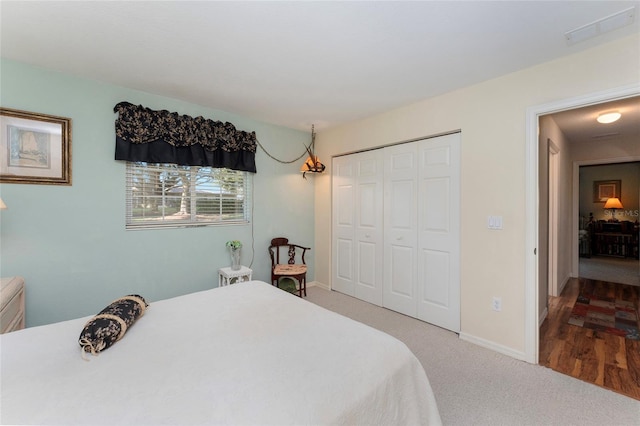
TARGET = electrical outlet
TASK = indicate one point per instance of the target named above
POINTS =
(496, 304)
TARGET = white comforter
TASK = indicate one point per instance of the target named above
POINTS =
(243, 354)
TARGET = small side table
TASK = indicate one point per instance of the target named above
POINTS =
(229, 276)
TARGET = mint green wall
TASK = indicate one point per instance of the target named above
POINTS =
(70, 242)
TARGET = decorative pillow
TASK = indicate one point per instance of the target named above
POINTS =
(106, 328)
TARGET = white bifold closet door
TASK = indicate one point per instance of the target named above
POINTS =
(400, 290)
(439, 231)
(396, 228)
(357, 225)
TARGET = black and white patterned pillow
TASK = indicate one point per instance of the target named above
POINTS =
(110, 325)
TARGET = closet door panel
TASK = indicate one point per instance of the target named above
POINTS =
(368, 226)
(400, 228)
(439, 232)
(357, 225)
(367, 217)
(400, 271)
(367, 250)
(344, 263)
(435, 196)
(343, 225)
(435, 271)
(366, 274)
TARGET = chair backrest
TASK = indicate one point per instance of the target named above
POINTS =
(281, 247)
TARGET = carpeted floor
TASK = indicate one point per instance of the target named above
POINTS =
(477, 386)
(611, 269)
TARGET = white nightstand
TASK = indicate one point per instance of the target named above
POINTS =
(229, 276)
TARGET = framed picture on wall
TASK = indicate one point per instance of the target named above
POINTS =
(605, 189)
(34, 148)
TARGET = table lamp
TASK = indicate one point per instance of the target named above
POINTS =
(613, 204)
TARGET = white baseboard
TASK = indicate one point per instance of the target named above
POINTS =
(543, 316)
(563, 285)
(494, 346)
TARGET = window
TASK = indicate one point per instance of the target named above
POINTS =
(168, 195)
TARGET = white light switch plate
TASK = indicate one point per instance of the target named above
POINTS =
(494, 222)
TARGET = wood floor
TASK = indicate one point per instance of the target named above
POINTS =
(612, 362)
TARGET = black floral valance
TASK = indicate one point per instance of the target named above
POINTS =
(166, 137)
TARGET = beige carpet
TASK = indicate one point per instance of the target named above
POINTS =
(611, 269)
(476, 386)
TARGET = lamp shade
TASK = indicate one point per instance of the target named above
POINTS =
(613, 203)
(312, 165)
(2, 205)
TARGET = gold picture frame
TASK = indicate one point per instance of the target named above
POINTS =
(605, 189)
(34, 148)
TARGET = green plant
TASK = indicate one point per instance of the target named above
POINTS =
(234, 244)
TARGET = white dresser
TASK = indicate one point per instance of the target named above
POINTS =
(11, 304)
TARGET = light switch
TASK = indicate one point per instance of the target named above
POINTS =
(494, 222)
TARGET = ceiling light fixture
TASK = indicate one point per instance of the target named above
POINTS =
(609, 117)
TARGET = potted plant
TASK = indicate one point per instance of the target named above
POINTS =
(234, 247)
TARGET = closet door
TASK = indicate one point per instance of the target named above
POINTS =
(343, 224)
(396, 228)
(357, 192)
(400, 228)
(369, 226)
(439, 231)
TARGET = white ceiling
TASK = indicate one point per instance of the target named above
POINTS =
(580, 124)
(297, 63)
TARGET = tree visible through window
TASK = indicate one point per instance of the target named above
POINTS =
(168, 195)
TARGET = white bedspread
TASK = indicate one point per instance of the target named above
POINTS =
(243, 354)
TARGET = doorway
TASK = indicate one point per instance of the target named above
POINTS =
(536, 282)
(607, 242)
(609, 254)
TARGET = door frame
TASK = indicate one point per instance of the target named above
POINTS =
(531, 278)
(552, 242)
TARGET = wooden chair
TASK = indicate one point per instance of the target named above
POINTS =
(291, 269)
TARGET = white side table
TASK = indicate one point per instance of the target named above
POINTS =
(229, 276)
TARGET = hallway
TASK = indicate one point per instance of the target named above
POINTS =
(613, 269)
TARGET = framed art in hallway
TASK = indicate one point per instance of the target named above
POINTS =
(605, 189)
(34, 148)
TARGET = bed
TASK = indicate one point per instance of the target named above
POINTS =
(248, 353)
